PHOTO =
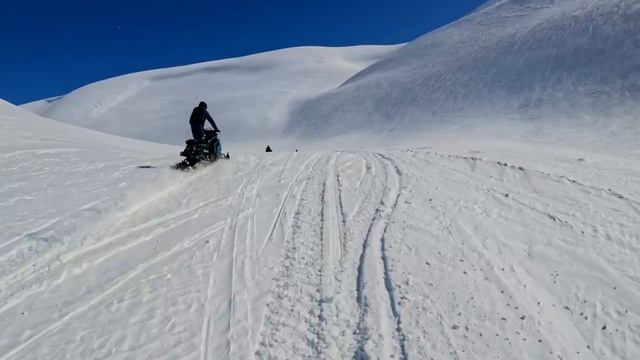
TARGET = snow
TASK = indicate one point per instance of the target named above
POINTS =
(556, 70)
(459, 250)
(249, 97)
(425, 230)
(534, 67)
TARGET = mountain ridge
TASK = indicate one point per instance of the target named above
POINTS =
(558, 63)
(249, 96)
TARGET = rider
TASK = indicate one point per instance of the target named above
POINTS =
(198, 117)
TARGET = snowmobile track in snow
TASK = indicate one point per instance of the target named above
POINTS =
(283, 204)
(231, 228)
(337, 255)
(296, 287)
(375, 291)
(332, 219)
(73, 255)
(102, 293)
(48, 225)
(107, 290)
(634, 204)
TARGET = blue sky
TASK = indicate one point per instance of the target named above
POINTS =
(49, 48)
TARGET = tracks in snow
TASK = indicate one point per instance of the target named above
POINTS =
(148, 237)
(229, 325)
(110, 289)
(332, 220)
(300, 257)
(335, 280)
(285, 199)
(207, 325)
(332, 254)
(379, 329)
(333, 296)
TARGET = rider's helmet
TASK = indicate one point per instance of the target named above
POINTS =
(202, 105)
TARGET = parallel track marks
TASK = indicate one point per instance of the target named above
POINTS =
(374, 255)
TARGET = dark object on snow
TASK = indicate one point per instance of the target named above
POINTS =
(208, 150)
(228, 156)
(269, 149)
(146, 167)
(197, 119)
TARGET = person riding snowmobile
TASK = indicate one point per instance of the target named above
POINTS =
(198, 117)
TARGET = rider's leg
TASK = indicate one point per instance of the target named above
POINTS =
(197, 131)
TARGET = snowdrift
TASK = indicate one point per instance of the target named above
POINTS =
(535, 64)
(22, 129)
(48, 169)
(250, 97)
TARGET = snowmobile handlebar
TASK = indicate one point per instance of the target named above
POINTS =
(210, 133)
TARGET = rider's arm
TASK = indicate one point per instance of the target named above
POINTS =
(213, 123)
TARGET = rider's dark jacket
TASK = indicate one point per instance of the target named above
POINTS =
(198, 117)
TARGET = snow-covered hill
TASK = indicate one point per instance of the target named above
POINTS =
(463, 250)
(250, 97)
(560, 70)
(537, 65)
(456, 247)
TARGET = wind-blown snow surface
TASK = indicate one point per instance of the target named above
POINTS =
(249, 97)
(540, 65)
(464, 251)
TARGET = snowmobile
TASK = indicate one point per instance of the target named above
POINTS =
(206, 150)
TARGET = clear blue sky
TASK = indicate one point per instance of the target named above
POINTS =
(49, 48)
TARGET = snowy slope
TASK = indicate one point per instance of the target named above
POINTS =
(250, 97)
(465, 250)
(535, 65)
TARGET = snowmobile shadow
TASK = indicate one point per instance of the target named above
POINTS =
(146, 167)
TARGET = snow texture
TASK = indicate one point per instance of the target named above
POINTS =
(249, 97)
(537, 65)
(448, 245)
(461, 250)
